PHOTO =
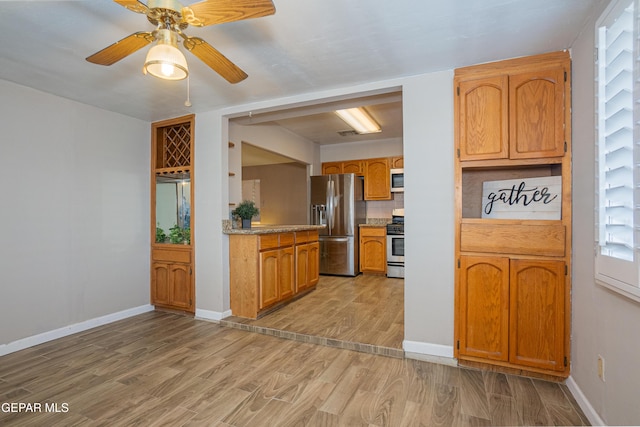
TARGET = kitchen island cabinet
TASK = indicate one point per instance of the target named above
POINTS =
(269, 266)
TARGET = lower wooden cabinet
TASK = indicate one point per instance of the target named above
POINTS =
(512, 311)
(172, 282)
(269, 269)
(373, 250)
(307, 265)
(276, 276)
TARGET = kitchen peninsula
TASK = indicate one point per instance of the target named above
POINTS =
(271, 265)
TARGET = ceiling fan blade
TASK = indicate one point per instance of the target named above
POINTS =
(210, 12)
(133, 5)
(214, 59)
(125, 47)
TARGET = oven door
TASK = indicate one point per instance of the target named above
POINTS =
(395, 248)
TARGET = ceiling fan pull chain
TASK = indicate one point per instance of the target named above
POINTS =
(187, 103)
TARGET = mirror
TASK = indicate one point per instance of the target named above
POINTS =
(173, 209)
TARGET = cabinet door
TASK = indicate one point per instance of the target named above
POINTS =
(286, 273)
(483, 307)
(302, 266)
(536, 104)
(483, 124)
(180, 286)
(160, 284)
(268, 278)
(373, 255)
(314, 263)
(537, 314)
(353, 166)
(377, 182)
(397, 162)
(331, 167)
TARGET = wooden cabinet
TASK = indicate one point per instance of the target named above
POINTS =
(515, 115)
(377, 179)
(329, 168)
(396, 162)
(269, 269)
(373, 250)
(512, 295)
(172, 279)
(376, 173)
(353, 166)
(172, 207)
(512, 310)
(307, 260)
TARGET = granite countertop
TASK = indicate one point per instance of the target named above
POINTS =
(267, 229)
(376, 222)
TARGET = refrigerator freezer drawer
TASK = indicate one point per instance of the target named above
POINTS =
(338, 255)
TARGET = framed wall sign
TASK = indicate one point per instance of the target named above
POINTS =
(526, 198)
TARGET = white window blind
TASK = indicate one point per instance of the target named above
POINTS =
(617, 141)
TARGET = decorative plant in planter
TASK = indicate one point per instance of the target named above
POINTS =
(179, 235)
(160, 235)
(246, 210)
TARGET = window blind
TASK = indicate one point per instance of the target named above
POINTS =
(616, 136)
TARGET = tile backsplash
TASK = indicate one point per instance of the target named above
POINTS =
(383, 208)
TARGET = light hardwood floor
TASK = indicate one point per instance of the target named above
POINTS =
(166, 369)
(363, 313)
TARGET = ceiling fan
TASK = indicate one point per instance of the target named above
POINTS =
(171, 18)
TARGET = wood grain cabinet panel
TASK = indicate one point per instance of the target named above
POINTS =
(483, 308)
(373, 250)
(377, 179)
(484, 122)
(353, 166)
(537, 313)
(329, 168)
(536, 113)
(269, 272)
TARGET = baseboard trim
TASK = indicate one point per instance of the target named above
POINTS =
(215, 316)
(584, 403)
(427, 349)
(34, 340)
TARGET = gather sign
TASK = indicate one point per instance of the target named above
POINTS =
(527, 198)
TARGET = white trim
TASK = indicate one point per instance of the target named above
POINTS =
(428, 349)
(584, 404)
(624, 289)
(34, 340)
(215, 316)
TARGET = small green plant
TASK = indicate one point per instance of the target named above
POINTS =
(179, 235)
(246, 210)
(161, 236)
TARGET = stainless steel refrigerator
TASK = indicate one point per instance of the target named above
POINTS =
(337, 201)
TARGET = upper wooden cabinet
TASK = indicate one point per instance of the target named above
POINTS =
(329, 168)
(515, 112)
(377, 179)
(353, 166)
(397, 162)
(376, 173)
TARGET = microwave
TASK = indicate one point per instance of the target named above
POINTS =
(397, 180)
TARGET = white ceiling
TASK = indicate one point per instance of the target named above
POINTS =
(307, 46)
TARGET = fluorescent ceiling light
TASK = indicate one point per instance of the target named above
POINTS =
(359, 119)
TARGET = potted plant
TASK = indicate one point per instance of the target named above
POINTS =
(160, 235)
(246, 210)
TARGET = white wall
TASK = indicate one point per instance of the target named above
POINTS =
(604, 323)
(356, 150)
(74, 213)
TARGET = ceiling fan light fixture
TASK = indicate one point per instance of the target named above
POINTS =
(360, 120)
(164, 60)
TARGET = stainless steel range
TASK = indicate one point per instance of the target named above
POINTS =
(395, 245)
